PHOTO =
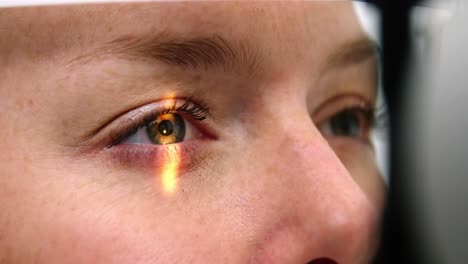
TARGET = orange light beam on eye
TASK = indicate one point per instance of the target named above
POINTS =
(170, 170)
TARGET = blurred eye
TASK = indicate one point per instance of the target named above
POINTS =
(353, 123)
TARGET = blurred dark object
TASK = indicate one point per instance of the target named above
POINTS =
(398, 245)
(427, 214)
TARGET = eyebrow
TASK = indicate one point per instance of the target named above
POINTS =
(212, 53)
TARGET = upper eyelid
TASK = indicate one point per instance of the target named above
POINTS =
(339, 103)
(132, 120)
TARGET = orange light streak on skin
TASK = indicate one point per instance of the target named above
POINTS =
(170, 170)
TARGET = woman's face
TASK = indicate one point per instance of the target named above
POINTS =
(208, 132)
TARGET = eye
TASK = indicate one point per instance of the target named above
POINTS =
(354, 123)
(168, 125)
(164, 129)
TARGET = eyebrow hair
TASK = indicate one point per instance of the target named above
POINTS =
(212, 53)
(353, 52)
(215, 53)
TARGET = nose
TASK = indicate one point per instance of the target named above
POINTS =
(320, 214)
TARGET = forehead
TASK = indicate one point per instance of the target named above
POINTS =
(293, 28)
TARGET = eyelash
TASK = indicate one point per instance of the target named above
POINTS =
(190, 108)
(370, 114)
(379, 117)
(376, 117)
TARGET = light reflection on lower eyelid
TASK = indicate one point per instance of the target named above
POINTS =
(168, 173)
(164, 167)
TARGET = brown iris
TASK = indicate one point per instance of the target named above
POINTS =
(166, 129)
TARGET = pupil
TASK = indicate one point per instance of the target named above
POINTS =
(346, 124)
(165, 127)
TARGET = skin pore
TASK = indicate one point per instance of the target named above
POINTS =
(266, 177)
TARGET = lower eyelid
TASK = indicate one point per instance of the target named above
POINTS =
(147, 157)
(350, 145)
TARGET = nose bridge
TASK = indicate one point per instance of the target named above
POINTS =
(325, 208)
(309, 164)
(307, 159)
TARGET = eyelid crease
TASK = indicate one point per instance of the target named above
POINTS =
(353, 52)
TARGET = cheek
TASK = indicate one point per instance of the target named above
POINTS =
(73, 218)
(85, 238)
(359, 160)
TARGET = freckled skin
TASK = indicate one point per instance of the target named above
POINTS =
(268, 189)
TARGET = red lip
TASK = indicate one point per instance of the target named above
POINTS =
(323, 261)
